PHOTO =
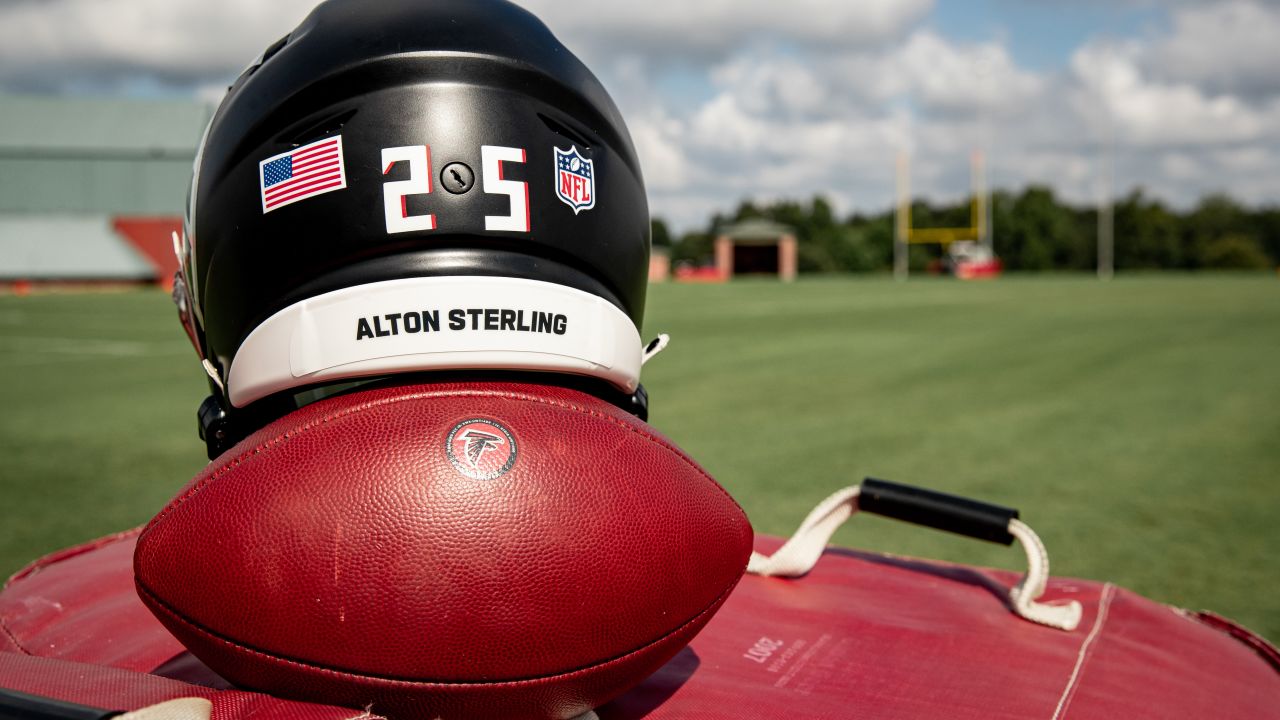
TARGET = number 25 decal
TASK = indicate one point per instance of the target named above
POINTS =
(492, 158)
(419, 183)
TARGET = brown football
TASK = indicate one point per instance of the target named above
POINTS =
(487, 549)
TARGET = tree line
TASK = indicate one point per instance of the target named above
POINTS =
(1032, 230)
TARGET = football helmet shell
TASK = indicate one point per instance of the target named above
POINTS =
(379, 153)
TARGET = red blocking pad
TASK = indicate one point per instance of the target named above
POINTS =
(870, 636)
(863, 635)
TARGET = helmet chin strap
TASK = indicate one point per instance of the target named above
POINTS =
(212, 372)
(215, 427)
(654, 347)
(186, 309)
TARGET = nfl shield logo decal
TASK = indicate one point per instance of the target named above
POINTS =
(575, 179)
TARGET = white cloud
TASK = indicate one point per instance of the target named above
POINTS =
(1180, 165)
(1118, 96)
(657, 140)
(729, 99)
(1221, 47)
(950, 77)
(60, 43)
(784, 124)
(685, 28)
(44, 43)
(772, 83)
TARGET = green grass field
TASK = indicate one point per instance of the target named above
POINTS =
(1136, 424)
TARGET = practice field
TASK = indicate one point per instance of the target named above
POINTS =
(1136, 424)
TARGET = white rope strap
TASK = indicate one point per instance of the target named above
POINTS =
(801, 552)
(194, 708)
(1024, 595)
(188, 708)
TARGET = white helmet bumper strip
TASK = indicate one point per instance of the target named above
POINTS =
(437, 323)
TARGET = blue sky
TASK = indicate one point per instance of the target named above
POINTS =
(734, 99)
(1043, 35)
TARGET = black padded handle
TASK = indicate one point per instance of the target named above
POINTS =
(937, 510)
(16, 705)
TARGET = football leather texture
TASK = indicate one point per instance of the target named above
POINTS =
(445, 550)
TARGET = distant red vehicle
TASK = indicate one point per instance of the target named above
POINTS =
(706, 274)
(968, 260)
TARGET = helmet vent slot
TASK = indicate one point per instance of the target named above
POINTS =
(560, 129)
(317, 129)
(274, 48)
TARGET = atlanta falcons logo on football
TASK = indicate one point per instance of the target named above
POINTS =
(481, 449)
(478, 443)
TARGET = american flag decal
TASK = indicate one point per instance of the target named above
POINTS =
(299, 174)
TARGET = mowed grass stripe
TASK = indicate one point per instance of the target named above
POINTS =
(1135, 423)
(92, 441)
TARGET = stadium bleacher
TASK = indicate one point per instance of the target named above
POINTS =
(90, 189)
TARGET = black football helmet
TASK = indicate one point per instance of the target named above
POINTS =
(405, 186)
